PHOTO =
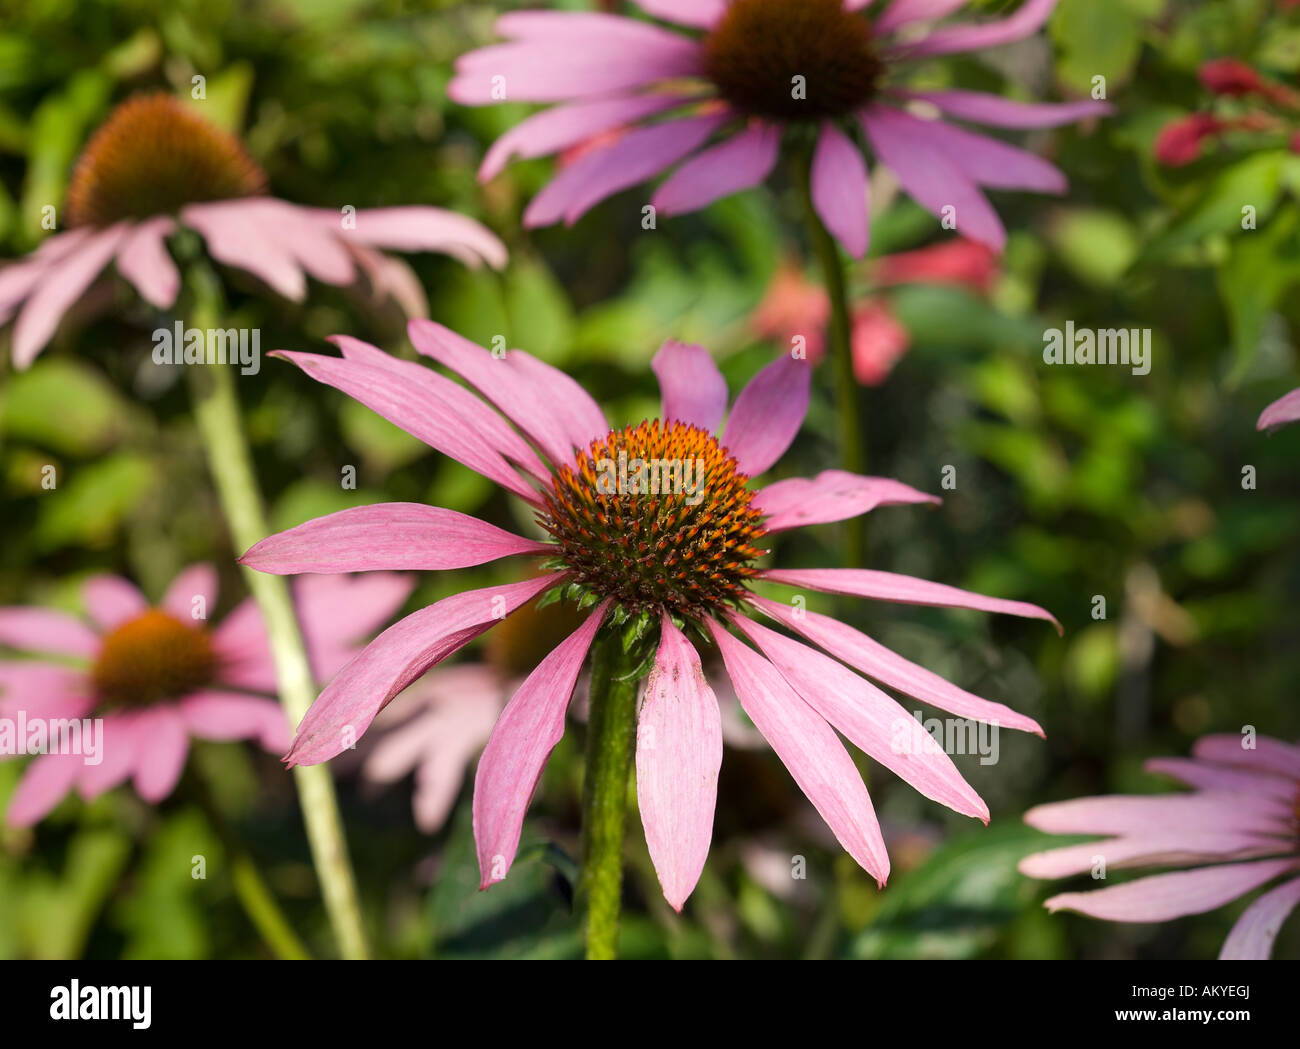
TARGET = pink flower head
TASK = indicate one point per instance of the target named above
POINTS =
(879, 341)
(1230, 76)
(1237, 829)
(712, 97)
(962, 263)
(794, 307)
(1282, 411)
(1179, 142)
(678, 551)
(154, 164)
(153, 676)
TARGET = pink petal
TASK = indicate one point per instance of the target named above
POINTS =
(561, 127)
(1149, 849)
(392, 278)
(603, 171)
(1253, 935)
(45, 630)
(678, 754)
(524, 736)
(405, 404)
(317, 247)
(119, 745)
(768, 414)
(240, 643)
(997, 111)
(163, 747)
(60, 286)
(739, 162)
(212, 714)
(43, 785)
(18, 279)
(1280, 412)
(840, 188)
(809, 748)
(1165, 896)
(339, 614)
(904, 12)
(1027, 20)
(876, 661)
(421, 228)
(1219, 778)
(873, 722)
(833, 495)
(396, 658)
(701, 14)
(144, 261)
(930, 176)
(111, 600)
(1152, 814)
(577, 411)
(197, 581)
(1267, 755)
(387, 536)
(889, 586)
(236, 236)
(988, 161)
(43, 690)
(693, 389)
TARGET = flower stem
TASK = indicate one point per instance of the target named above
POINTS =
(216, 411)
(847, 392)
(254, 894)
(611, 735)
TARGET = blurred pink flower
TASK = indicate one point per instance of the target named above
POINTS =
(747, 71)
(158, 675)
(1237, 828)
(154, 164)
(1282, 411)
(685, 564)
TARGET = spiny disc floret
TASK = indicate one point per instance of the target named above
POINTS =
(152, 658)
(656, 517)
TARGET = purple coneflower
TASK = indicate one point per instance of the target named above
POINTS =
(674, 560)
(1282, 411)
(156, 163)
(157, 675)
(1237, 828)
(716, 93)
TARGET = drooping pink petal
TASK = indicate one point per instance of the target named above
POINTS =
(45, 630)
(996, 111)
(839, 189)
(195, 582)
(144, 261)
(1164, 896)
(890, 586)
(498, 382)
(120, 742)
(1151, 814)
(678, 755)
(162, 747)
(243, 655)
(561, 127)
(603, 171)
(111, 600)
(397, 657)
(576, 410)
(988, 161)
(1185, 848)
(1221, 778)
(878, 662)
(43, 690)
(768, 414)
(43, 785)
(873, 722)
(340, 614)
(1027, 20)
(212, 714)
(400, 402)
(525, 734)
(386, 536)
(18, 279)
(392, 278)
(809, 748)
(904, 12)
(1282, 411)
(1251, 938)
(700, 14)
(737, 163)
(61, 285)
(833, 495)
(930, 177)
(423, 228)
(1265, 755)
(237, 238)
(693, 390)
(315, 246)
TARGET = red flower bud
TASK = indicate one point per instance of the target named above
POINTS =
(1179, 142)
(1228, 76)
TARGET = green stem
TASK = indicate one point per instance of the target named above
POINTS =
(216, 411)
(848, 394)
(258, 902)
(611, 736)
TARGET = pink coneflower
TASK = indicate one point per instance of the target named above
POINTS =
(680, 558)
(158, 675)
(1282, 411)
(719, 100)
(1237, 828)
(155, 164)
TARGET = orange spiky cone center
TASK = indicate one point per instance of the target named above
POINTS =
(152, 658)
